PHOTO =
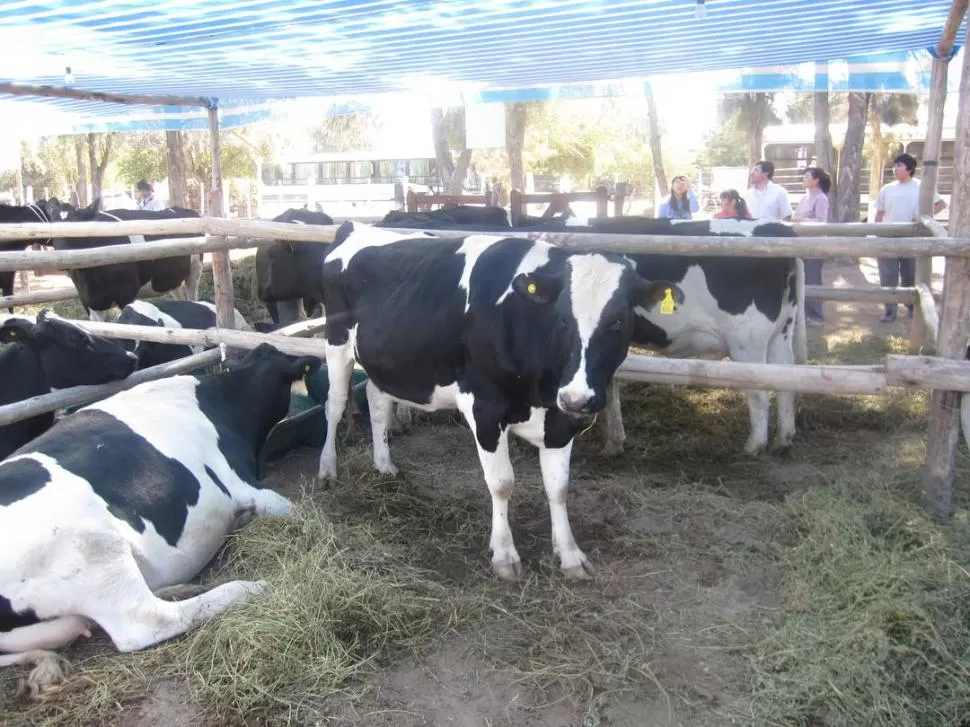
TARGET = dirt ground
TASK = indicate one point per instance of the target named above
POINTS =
(679, 528)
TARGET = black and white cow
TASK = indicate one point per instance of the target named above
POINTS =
(104, 286)
(51, 354)
(458, 217)
(196, 314)
(519, 336)
(288, 273)
(744, 308)
(13, 214)
(131, 495)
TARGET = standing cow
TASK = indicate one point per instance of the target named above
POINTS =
(131, 495)
(519, 336)
(104, 286)
(17, 215)
(741, 307)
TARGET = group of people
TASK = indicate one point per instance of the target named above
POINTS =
(897, 201)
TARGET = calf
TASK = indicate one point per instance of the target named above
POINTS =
(519, 336)
(199, 314)
(51, 354)
(741, 307)
(131, 495)
(288, 273)
(104, 286)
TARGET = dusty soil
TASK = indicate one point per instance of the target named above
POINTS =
(678, 576)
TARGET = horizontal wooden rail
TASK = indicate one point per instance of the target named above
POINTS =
(46, 230)
(863, 295)
(41, 296)
(927, 309)
(862, 229)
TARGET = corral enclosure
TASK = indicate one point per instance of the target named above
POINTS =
(805, 588)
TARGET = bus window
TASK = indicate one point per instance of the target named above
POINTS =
(421, 171)
(360, 172)
(273, 174)
(333, 172)
(390, 170)
(306, 173)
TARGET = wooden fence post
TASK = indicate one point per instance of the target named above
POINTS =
(221, 267)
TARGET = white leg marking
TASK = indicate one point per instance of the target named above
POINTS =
(500, 478)
(52, 634)
(780, 352)
(555, 477)
(380, 406)
(758, 401)
(403, 418)
(340, 365)
(95, 315)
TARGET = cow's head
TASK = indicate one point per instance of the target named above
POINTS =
(82, 214)
(595, 298)
(256, 387)
(69, 355)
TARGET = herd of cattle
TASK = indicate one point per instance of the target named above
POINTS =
(105, 509)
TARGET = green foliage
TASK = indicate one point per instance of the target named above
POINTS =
(51, 163)
(140, 156)
(801, 110)
(345, 132)
(724, 147)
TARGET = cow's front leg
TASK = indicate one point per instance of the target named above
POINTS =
(492, 440)
(555, 477)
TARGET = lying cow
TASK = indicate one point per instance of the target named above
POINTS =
(51, 354)
(519, 336)
(104, 286)
(288, 273)
(458, 217)
(131, 495)
(199, 314)
(741, 307)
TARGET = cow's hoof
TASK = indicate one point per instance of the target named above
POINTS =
(386, 468)
(782, 445)
(507, 570)
(755, 449)
(612, 449)
(582, 570)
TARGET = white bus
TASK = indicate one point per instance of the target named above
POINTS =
(348, 184)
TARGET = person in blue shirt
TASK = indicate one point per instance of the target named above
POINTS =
(682, 202)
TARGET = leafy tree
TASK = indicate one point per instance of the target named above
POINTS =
(750, 113)
(141, 156)
(345, 132)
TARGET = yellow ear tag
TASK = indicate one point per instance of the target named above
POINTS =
(306, 368)
(667, 304)
(531, 288)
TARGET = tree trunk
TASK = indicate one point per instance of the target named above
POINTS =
(824, 149)
(655, 150)
(847, 202)
(515, 115)
(177, 186)
(451, 174)
(82, 172)
(877, 160)
(757, 120)
(98, 166)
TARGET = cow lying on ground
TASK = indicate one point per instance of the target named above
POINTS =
(104, 286)
(131, 495)
(199, 314)
(288, 273)
(741, 307)
(459, 217)
(519, 336)
(51, 354)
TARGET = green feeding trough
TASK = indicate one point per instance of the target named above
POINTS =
(305, 424)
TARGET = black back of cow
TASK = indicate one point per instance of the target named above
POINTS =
(17, 215)
(460, 217)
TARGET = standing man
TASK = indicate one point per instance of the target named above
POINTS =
(898, 201)
(767, 200)
(148, 200)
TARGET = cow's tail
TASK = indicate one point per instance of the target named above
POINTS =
(801, 334)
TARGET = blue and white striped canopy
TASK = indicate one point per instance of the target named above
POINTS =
(248, 52)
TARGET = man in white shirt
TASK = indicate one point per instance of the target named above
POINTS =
(898, 201)
(148, 200)
(767, 200)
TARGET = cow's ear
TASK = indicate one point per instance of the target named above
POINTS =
(303, 366)
(538, 288)
(16, 329)
(651, 292)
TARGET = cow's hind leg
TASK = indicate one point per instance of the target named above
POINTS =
(780, 352)
(500, 478)
(191, 283)
(403, 418)
(381, 407)
(340, 366)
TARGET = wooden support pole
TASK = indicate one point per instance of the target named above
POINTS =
(16, 89)
(944, 433)
(221, 267)
(927, 309)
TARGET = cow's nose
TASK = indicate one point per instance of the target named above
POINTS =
(573, 403)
